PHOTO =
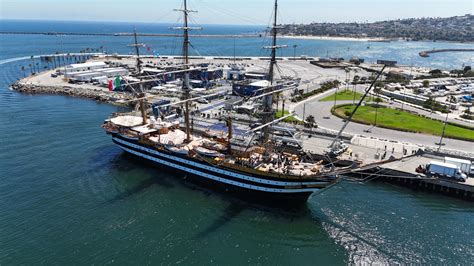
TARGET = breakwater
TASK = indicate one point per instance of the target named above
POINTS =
(427, 53)
(129, 34)
(115, 98)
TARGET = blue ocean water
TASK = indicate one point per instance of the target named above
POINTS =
(69, 196)
(404, 52)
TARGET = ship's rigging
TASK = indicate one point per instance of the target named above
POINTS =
(263, 166)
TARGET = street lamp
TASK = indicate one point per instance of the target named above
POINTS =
(294, 51)
(442, 133)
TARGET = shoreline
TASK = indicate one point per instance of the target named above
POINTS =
(362, 39)
(334, 38)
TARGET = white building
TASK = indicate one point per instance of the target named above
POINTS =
(87, 76)
(74, 68)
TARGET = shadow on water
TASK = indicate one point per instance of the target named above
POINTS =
(230, 213)
(123, 162)
(127, 170)
(237, 206)
(142, 186)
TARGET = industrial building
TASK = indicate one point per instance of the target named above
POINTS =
(250, 87)
(200, 78)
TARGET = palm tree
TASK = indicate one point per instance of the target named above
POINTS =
(23, 69)
(33, 62)
(348, 76)
(377, 89)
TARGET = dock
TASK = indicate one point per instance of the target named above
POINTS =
(402, 172)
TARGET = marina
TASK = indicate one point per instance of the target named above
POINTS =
(117, 151)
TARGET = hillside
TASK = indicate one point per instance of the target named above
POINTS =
(459, 28)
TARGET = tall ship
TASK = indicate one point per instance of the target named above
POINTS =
(252, 163)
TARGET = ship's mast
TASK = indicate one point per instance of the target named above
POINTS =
(137, 50)
(268, 114)
(139, 71)
(186, 86)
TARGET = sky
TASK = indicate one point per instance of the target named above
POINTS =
(237, 12)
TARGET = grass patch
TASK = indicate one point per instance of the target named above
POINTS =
(345, 95)
(404, 121)
(324, 87)
(290, 119)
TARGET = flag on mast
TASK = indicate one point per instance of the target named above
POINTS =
(118, 83)
(115, 84)
(111, 85)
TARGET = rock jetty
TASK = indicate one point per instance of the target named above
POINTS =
(115, 98)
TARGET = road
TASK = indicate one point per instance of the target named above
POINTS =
(322, 114)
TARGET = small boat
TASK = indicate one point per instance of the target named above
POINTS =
(207, 152)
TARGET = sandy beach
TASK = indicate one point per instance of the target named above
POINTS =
(333, 38)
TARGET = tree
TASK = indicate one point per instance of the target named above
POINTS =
(310, 121)
(467, 69)
(378, 100)
(426, 83)
(378, 87)
(468, 114)
(468, 111)
(356, 79)
(436, 73)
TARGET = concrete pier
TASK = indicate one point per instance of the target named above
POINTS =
(403, 173)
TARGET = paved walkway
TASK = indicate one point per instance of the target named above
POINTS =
(322, 114)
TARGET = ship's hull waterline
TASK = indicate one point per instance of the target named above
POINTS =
(294, 191)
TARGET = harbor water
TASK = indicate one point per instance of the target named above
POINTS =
(69, 196)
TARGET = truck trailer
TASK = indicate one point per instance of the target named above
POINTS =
(446, 170)
(464, 165)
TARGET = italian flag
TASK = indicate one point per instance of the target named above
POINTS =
(115, 84)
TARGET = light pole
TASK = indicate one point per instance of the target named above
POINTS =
(294, 51)
(354, 95)
(442, 133)
(304, 110)
(376, 112)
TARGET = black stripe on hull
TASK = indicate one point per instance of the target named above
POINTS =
(328, 179)
(274, 200)
(210, 171)
(262, 196)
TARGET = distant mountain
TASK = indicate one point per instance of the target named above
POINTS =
(459, 28)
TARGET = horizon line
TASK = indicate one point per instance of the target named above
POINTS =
(217, 24)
